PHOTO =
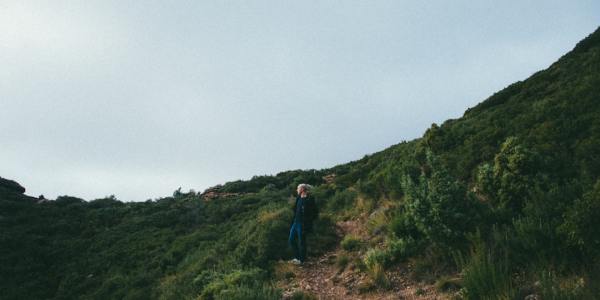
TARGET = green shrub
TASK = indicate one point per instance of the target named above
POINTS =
(553, 287)
(375, 261)
(403, 226)
(376, 256)
(342, 261)
(513, 179)
(263, 241)
(323, 238)
(351, 243)
(238, 284)
(302, 295)
(378, 222)
(244, 277)
(400, 249)
(380, 279)
(204, 278)
(252, 292)
(485, 276)
(533, 241)
(342, 200)
(438, 207)
(582, 223)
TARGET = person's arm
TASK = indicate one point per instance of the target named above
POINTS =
(294, 206)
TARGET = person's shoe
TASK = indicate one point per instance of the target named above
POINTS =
(296, 261)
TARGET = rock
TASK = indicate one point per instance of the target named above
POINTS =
(217, 192)
(330, 178)
(11, 185)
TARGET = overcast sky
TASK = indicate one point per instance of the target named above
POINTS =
(138, 98)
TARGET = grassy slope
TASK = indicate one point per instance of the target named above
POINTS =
(180, 246)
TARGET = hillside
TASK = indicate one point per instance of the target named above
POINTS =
(502, 203)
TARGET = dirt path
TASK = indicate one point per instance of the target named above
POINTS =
(322, 278)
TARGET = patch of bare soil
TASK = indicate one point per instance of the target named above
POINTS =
(322, 278)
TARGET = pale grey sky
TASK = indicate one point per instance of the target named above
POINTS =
(138, 98)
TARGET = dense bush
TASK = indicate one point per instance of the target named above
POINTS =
(516, 173)
(582, 223)
(342, 200)
(436, 207)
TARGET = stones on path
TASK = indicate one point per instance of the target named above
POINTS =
(323, 279)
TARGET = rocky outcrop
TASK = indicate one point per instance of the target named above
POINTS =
(329, 178)
(216, 192)
(11, 185)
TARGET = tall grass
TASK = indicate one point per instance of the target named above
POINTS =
(484, 275)
(375, 261)
(351, 243)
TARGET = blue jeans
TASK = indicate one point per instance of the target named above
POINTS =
(296, 241)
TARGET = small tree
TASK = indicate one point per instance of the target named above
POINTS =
(438, 205)
(513, 176)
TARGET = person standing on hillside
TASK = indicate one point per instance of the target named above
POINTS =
(305, 212)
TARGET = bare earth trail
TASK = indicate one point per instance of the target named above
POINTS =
(321, 278)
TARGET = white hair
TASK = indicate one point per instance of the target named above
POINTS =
(305, 186)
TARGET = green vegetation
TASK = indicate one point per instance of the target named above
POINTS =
(301, 295)
(342, 261)
(504, 200)
(351, 242)
(375, 261)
